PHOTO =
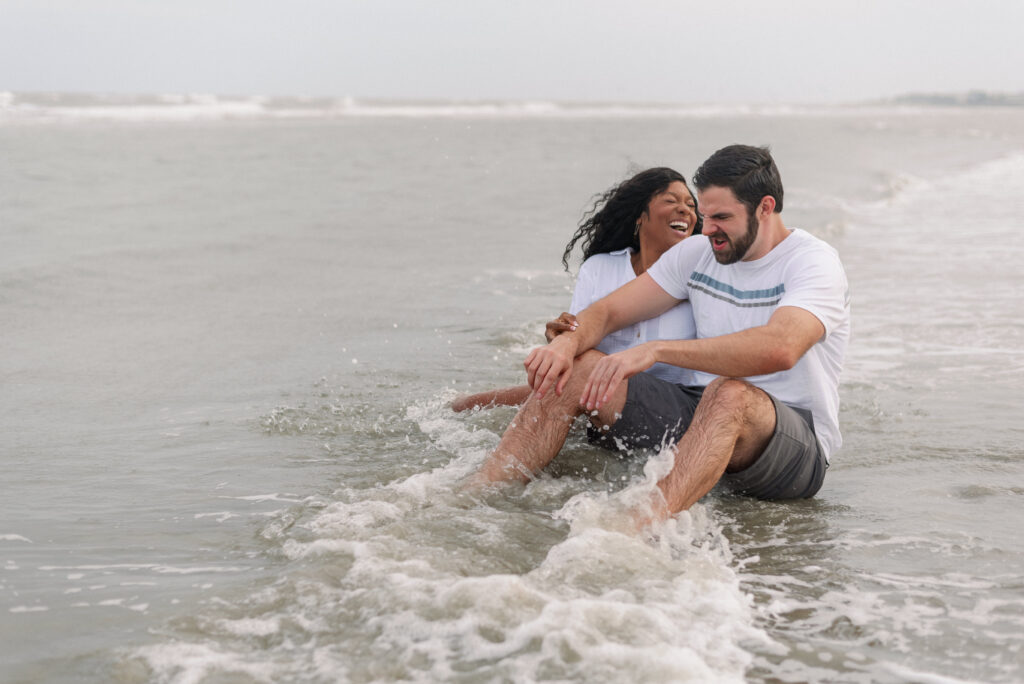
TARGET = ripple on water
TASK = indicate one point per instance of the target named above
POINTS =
(853, 605)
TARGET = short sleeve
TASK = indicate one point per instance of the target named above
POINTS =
(583, 294)
(818, 284)
(672, 271)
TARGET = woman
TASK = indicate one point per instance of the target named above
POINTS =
(629, 227)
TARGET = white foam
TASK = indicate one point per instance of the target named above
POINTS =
(265, 497)
(989, 180)
(450, 434)
(29, 609)
(251, 626)
(220, 516)
(363, 514)
(294, 549)
(184, 663)
(665, 606)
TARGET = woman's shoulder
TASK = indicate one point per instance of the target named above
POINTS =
(607, 259)
(615, 266)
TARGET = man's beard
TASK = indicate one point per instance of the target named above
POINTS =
(742, 246)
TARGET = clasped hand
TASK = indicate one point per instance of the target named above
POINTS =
(552, 365)
(609, 372)
(549, 365)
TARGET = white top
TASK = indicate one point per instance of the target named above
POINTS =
(602, 274)
(801, 271)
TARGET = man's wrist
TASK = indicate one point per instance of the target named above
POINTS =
(571, 342)
(657, 348)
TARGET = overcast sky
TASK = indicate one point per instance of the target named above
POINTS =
(597, 50)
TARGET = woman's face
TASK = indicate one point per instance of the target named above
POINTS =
(671, 217)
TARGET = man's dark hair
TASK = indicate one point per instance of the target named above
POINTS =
(750, 173)
(611, 224)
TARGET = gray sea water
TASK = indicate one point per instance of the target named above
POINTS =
(229, 330)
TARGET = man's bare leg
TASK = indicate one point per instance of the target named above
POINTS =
(538, 431)
(732, 425)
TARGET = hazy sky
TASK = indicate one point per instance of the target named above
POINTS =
(633, 50)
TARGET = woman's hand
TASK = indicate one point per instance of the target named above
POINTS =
(565, 322)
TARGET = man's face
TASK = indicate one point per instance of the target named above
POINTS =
(727, 223)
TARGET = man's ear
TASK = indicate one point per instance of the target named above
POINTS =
(766, 207)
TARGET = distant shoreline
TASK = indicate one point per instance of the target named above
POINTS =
(973, 98)
(43, 108)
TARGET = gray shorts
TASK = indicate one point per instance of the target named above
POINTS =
(657, 413)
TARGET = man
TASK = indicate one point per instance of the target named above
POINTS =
(772, 312)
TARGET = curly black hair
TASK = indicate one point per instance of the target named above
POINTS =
(610, 224)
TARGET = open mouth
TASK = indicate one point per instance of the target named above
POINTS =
(681, 226)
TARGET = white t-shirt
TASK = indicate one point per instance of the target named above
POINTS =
(801, 271)
(602, 274)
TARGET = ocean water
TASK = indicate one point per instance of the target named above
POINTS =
(230, 330)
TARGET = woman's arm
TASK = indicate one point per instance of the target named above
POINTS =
(506, 396)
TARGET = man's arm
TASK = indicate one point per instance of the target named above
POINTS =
(775, 346)
(637, 300)
(770, 348)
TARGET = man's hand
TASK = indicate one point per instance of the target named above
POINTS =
(549, 365)
(565, 322)
(610, 371)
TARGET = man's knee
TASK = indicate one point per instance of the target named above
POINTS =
(587, 359)
(744, 411)
(732, 395)
(581, 367)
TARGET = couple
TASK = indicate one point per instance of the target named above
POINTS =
(770, 308)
